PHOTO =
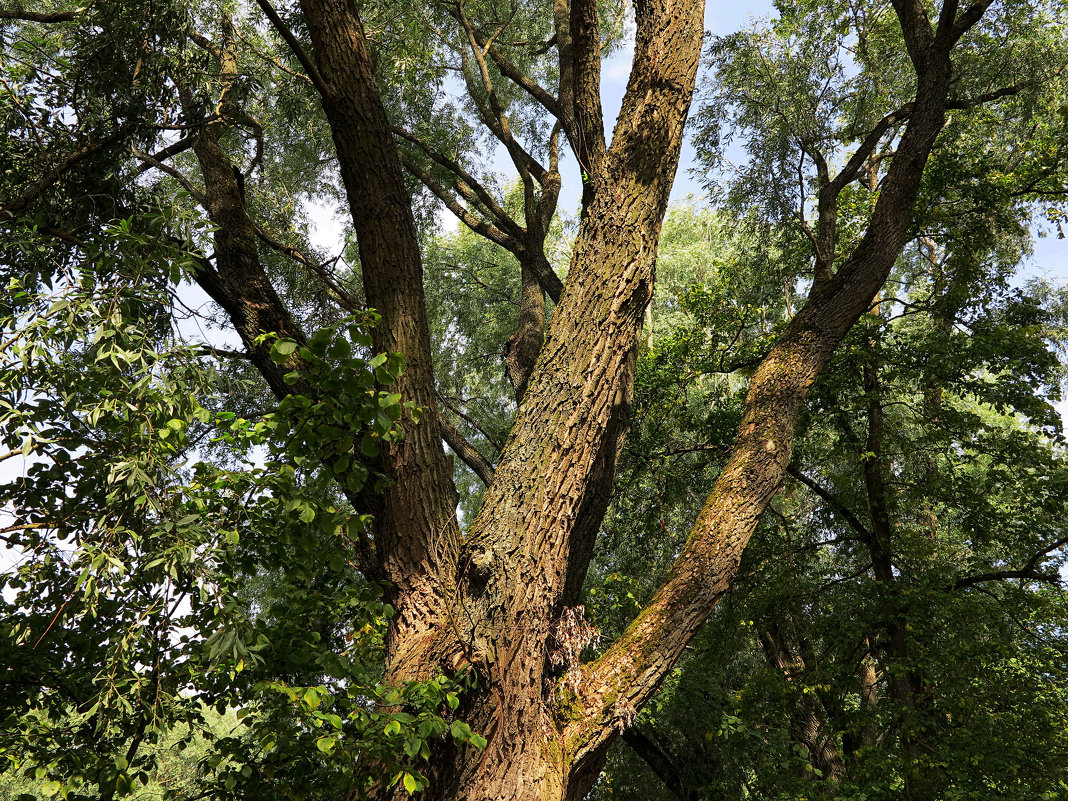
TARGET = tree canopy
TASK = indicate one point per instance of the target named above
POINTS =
(760, 495)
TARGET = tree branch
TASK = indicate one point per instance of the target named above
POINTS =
(180, 146)
(585, 52)
(477, 224)
(1025, 573)
(659, 763)
(916, 28)
(468, 186)
(1028, 571)
(832, 501)
(525, 82)
(12, 207)
(343, 298)
(467, 452)
(493, 116)
(855, 164)
(452, 407)
(295, 45)
(151, 161)
(47, 17)
(971, 15)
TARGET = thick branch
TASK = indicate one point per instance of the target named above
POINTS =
(18, 13)
(629, 672)
(417, 535)
(967, 20)
(916, 28)
(856, 162)
(586, 99)
(170, 151)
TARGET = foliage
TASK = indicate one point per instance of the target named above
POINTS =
(182, 566)
(147, 586)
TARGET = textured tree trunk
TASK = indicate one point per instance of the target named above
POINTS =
(416, 534)
(809, 724)
(499, 600)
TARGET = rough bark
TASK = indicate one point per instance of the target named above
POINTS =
(809, 724)
(524, 345)
(497, 601)
(236, 280)
(417, 532)
(633, 667)
(516, 559)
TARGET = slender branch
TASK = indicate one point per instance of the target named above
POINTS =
(467, 452)
(274, 62)
(295, 45)
(208, 350)
(468, 186)
(452, 407)
(341, 295)
(1024, 573)
(1005, 91)
(832, 501)
(493, 115)
(169, 170)
(1028, 571)
(477, 224)
(525, 82)
(180, 146)
(12, 207)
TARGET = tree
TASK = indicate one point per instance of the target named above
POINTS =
(495, 599)
(795, 688)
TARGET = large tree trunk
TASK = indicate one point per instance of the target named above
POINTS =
(496, 601)
(416, 534)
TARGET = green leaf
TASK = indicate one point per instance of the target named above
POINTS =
(411, 784)
(283, 349)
